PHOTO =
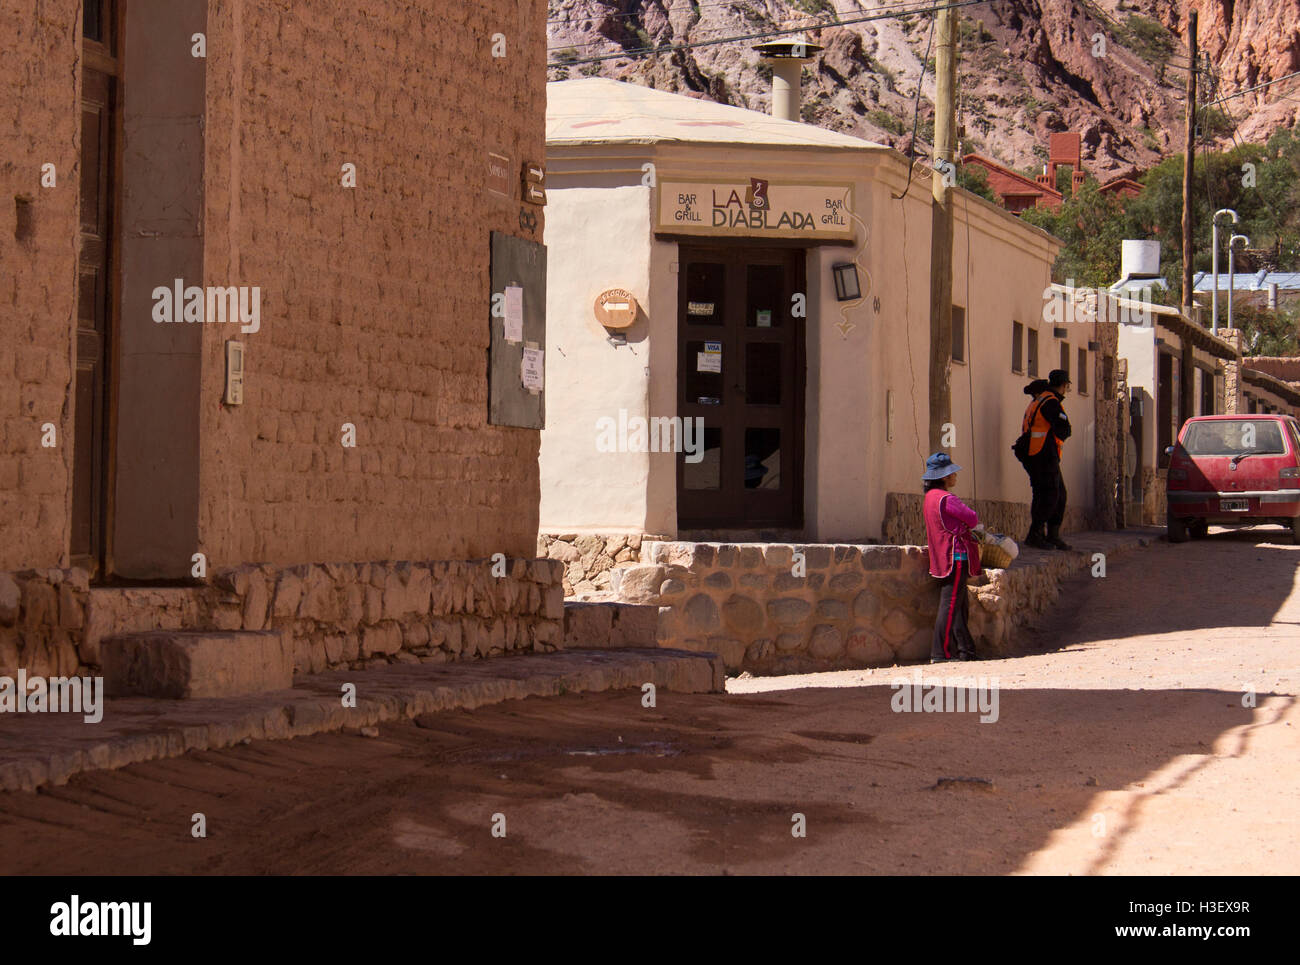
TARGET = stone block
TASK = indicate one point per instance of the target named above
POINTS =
(731, 651)
(817, 556)
(72, 614)
(256, 602)
(40, 605)
(788, 611)
(587, 625)
(832, 610)
(759, 650)
(288, 594)
(826, 642)
(553, 602)
(385, 638)
(882, 557)
(196, 664)
(844, 582)
(701, 613)
(641, 583)
(896, 626)
(786, 581)
(718, 581)
(789, 641)
(779, 556)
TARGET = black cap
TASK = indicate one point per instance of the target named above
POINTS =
(1058, 377)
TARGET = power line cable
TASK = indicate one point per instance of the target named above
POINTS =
(894, 13)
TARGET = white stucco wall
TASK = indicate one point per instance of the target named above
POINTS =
(597, 238)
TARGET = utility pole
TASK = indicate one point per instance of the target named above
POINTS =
(941, 226)
(1189, 158)
(1185, 369)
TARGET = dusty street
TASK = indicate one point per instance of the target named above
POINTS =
(1121, 746)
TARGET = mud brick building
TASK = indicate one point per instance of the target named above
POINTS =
(345, 167)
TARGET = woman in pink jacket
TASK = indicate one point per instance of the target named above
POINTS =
(954, 554)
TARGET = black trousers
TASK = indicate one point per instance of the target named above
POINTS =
(1048, 485)
(951, 638)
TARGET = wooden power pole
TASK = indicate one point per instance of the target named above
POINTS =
(941, 227)
(1184, 387)
(1189, 159)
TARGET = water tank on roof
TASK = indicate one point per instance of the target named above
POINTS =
(1139, 259)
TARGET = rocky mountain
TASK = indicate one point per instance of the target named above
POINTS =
(1112, 70)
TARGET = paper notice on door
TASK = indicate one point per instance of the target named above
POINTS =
(764, 319)
(531, 369)
(710, 360)
(514, 313)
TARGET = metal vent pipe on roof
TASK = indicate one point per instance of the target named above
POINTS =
(787, 58)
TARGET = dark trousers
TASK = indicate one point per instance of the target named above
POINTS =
(951, 638)
(1048, 505)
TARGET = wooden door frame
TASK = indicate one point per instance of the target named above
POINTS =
(106, 59)
(729, 252)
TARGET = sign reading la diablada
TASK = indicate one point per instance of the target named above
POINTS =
(758, 207)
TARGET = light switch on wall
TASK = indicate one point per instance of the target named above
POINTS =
(234, 372)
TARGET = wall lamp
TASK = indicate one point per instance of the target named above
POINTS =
(846, 281)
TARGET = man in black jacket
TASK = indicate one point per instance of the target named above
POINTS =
(1048, 426)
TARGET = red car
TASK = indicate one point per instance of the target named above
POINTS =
(1228, 469)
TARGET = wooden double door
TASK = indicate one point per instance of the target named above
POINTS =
(741, 371)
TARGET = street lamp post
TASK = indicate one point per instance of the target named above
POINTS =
(1232, 274)
(1214, 260)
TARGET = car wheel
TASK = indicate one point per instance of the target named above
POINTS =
(1175, 528)
(1199, 528)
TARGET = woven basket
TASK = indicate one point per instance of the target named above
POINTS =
(994, 557)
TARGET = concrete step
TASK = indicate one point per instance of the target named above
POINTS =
(115, 611)
(39, 749)
(195, 664)
(603, 626)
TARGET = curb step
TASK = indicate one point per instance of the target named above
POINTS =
(603, 626)
(195, 664)
(41, 749)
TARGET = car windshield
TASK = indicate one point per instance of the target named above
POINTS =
(1233, 437)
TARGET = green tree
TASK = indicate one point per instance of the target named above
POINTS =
(975, 179)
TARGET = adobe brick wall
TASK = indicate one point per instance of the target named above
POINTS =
(39, 123)
(375, 299)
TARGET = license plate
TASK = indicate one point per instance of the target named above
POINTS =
(1234, 505)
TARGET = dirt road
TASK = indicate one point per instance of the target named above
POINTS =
(1121, 745)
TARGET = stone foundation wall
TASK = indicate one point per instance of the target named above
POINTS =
(589, 558)
(904, 525)
(335, 614)
(856, 606)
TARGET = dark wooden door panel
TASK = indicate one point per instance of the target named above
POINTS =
(740, 300)
(94, 288)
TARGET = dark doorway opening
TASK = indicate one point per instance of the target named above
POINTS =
(92, 423)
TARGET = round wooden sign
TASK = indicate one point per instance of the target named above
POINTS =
(615, 308)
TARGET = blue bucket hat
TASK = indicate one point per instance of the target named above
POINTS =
(938, 466)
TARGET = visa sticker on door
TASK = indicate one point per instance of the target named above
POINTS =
(710, 360)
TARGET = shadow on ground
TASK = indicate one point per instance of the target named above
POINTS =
(1238, 578)
(595, 783)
